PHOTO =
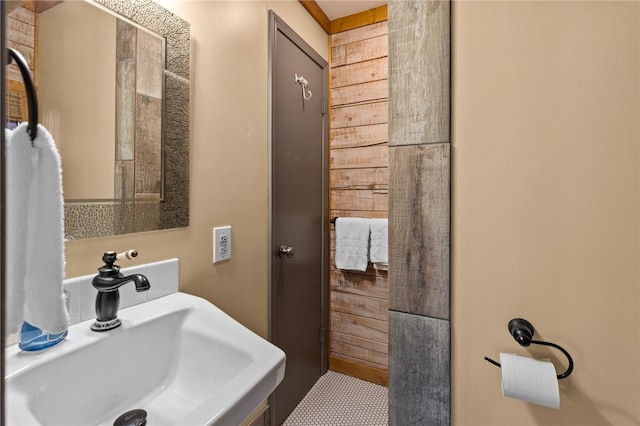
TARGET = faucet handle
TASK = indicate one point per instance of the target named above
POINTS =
(128, 255)
(110, 257)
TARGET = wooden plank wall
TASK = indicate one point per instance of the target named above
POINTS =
(20, 36)
(359, 183)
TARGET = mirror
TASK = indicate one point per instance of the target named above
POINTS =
(114, 90)
(113, 84)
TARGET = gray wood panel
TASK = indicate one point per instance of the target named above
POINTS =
(419, 221)
(148, 146)
(419, 72)
(419, 363)
(419, 213)
(123, 176)
(125, 109)
(150, 69)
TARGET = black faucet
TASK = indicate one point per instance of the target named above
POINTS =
(107, 282)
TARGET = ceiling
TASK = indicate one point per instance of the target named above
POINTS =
(340, 8)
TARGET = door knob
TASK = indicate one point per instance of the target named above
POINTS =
(285, 251)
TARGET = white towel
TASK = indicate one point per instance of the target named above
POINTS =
(18, 178)
(352, 243)
(381, 266)
(379, 253)
(35, 233)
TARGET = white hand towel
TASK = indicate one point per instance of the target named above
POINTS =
(379, 254)
(18, 179)
(352, 243)
(381, 266)
(38, 234)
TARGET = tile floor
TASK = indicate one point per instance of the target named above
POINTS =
(339, 400)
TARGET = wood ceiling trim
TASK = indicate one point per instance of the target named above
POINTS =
(360, 19)
(39, 6)
(317, 13)
(367, 17)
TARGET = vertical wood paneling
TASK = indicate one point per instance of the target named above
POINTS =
(148, 150)
(419, 386)
(419, 213)
(359, 182)
(419, 40)
(419, 224)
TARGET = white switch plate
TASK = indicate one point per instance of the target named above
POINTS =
(221, 243)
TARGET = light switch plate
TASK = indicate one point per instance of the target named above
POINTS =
(221, 243)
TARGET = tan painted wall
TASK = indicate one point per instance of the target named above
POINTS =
(546, 196)
(228, 158)
(77, 106)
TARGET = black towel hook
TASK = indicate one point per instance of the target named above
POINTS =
(32, 100)
(522, 331)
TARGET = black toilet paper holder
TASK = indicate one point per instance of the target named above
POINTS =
(522, 331)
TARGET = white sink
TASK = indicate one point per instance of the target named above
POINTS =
(179, 358)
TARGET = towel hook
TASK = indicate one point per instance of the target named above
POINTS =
(304, 83)
(32, 100)
(522, 331)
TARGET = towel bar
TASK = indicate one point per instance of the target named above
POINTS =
(32, 99)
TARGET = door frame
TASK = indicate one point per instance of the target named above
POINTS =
(277, 24)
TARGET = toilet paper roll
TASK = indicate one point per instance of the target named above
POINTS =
(529, 380)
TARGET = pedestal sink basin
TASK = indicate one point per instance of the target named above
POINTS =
(179, 358)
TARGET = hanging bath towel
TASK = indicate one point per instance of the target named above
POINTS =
(18, 169)
(35, 240)
(379, 252)
(352, 243)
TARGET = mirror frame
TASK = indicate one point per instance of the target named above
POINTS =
(107, 218)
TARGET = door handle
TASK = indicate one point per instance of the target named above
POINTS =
(285, 251)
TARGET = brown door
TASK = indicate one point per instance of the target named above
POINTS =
(298, 213)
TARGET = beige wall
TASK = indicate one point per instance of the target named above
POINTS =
(229, 160)
(546, 196)
(76, 94)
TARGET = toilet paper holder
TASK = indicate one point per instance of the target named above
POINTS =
(522, 331)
